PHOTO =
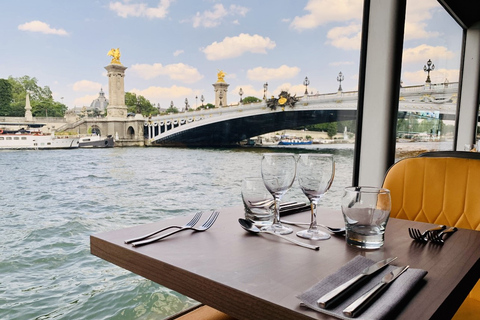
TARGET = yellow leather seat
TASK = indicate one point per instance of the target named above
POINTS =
(439, 190)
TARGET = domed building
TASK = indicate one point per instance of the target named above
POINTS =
(100, 103)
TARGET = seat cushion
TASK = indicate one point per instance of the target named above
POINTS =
(436, 190)
(205, 313)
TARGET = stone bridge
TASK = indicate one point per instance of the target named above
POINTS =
(228, 125)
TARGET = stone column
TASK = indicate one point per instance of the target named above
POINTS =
(28, 109)
(116, 89)
(221, 89)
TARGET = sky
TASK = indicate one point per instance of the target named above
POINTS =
(173, 49)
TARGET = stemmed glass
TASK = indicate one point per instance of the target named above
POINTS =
(278, 173)
(315, 176)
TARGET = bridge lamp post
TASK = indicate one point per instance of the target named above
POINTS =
(202, 99)
(427, 68)
(306, 82)
(186, 104)
(196, 102)
(241, 94)
(340, 78)
(265, 87)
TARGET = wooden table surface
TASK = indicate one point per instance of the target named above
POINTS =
(252, 276)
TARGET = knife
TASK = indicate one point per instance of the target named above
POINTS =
(326, 300)
(358, 305)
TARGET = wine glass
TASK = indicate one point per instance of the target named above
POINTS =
(315, 176)
(278, 173)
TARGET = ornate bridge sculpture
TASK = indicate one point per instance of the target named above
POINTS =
(230, 125)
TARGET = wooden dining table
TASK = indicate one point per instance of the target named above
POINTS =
(251, 276)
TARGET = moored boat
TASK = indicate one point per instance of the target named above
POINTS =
(294, 142)
(96, 141)
(35, 141)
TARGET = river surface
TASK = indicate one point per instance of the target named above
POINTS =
(53, 200)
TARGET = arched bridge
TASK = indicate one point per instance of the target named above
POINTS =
(229, 125)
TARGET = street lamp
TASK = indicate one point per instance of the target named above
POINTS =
(196, 102)
(265, 87)
(202, 99)
(429, 67)
(340, 78)
(186, 104)
(241, 94)
(306, 82)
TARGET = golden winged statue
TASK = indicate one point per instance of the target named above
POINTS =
(115, 54)
(220, 76)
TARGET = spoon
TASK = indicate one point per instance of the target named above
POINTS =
(337, 231)
(250, 227)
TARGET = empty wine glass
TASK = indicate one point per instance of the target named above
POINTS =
(315, 176)
(278, 173)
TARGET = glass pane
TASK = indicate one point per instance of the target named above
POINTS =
(430, 75)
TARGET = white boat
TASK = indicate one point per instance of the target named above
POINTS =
(96, 141)
(35, 141)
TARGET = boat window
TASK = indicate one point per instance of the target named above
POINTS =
(9, 138)
(432, 50)
(1, 138)
(24, 138)
(16, 138)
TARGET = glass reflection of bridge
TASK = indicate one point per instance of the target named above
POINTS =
(228, 125)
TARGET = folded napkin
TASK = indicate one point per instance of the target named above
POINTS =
(381, 307)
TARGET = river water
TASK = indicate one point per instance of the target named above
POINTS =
(52, 201)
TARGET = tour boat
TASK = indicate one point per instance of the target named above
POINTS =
(36, 140)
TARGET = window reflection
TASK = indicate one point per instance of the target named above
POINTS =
(430, 75)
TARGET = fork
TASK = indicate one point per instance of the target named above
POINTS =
(438, 238)
(191, 223)
(422, 237)
(205, 226)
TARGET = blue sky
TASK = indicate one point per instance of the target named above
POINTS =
(174, 48)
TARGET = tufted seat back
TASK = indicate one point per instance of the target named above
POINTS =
(439, 190)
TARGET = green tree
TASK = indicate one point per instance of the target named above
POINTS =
(172, 109)
(5, 96)
(331, 129)
(139, 104)
(250, 99)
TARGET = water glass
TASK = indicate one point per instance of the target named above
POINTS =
(366, 211)
(257, 201)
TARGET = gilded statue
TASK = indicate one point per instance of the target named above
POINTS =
(115, 54)
(220, 76)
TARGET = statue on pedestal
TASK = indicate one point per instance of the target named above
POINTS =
(115, 54)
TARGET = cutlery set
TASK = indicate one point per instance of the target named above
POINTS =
(435, 235)
(357, 306)
(147, 239)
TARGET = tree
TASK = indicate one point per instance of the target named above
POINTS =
(250, 99)
(5, 96)
(331, 129)
(139, 104)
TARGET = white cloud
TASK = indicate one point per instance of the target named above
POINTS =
(265, 74)
(87, 86)
(162, 93)
(417, 13)
(232, 47)
(436, 76)
(178, 71)
(322, 12)
(85, 100)
(424, 52)
(125, 9)
(213, 18)
(42, 27)
(178, 52)
(347, 38)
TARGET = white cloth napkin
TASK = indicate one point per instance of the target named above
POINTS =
(398, 290)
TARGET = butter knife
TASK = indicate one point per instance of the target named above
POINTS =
(358, 305)
(326, 300)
